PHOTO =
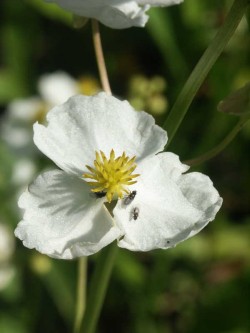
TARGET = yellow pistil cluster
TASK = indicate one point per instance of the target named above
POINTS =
(112, 175)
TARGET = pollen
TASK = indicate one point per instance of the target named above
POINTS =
(111, 176)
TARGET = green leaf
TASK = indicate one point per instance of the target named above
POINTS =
(203, 67)
(52, 11)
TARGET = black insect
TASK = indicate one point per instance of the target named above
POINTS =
(128, 199)
(135, 213)
(99, 195)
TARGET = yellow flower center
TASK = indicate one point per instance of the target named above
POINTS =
(88, 85)
(111, 176)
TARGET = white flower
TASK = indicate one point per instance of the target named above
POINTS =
(57, 87)
(53, 89)
(95, 141)
(117, 14)
(16, 126)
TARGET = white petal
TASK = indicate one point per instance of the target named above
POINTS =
(56, 88)
(112, 13)
(171, 165)
(163, 3)
(85, 124)
(61, 218)
(122, 16)
(200, 192)
(167, 214)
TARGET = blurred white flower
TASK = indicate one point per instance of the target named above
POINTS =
(56, 88)
(7, 273)
(53, 89)
(95, 141)
(117, 14)
(7, 248)
(16, 126)
(23, 172)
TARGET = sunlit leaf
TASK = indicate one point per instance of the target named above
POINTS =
(52, 11)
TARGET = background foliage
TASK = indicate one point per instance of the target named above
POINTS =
(201, 285)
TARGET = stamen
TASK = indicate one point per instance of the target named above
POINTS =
(112, 175)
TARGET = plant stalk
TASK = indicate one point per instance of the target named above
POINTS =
(100, 58)
(203, 67)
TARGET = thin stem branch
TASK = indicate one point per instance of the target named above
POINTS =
(104, 265)
(81, 293)
(221, 146)
(203, 67)
(98, 288)
(100, 58)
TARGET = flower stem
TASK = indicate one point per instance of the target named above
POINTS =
(104, 265)
(216, 150)
(81, 293)
(100, 58)
(98, 288)
(203, 67)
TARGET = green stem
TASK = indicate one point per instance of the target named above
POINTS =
(98, 288)
(100, 57)
(81, 293)
(203, 67)
(104, 265)
(216, 150)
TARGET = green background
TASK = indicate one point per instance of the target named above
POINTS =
(202, 285)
